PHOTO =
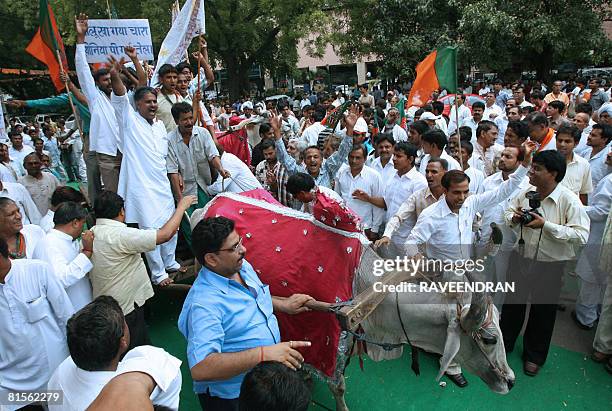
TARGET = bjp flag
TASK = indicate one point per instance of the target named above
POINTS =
(438, 70)
(47, 44)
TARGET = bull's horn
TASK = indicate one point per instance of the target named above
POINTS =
(477, 313)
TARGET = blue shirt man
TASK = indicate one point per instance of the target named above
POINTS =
(228, 318)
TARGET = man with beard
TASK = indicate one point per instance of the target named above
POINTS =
(290, 125)
(143, 180)
(268, 168)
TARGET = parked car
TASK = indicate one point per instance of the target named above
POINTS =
(449, 100)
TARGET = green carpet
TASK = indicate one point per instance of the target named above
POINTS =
(569, 381)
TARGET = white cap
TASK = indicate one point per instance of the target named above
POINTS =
(247, 104)
(361, 126)
(429, 116)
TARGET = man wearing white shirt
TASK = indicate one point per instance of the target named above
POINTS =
(486, 150)
(512, 114)
(446, 226)
(391, 126)
(34, 310)
(17, 150)
(582, 122)
(404, 183)
(61, 195)
(290, 125)
(102, 151)
(592, 277)
(433, 142)
(311, 133)
(474, 120)
(438, 110)
(10, 170)
(358, 176)
(491, 110)
(143, 180)
(476, 176)
(464, 112)
(410, 210)
(62, 250)
(578, 172)
(241, 178)
(27, 208)
(383, 164)
(98, 338)
(599, 147)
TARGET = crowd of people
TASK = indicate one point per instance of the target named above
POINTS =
(433, 180)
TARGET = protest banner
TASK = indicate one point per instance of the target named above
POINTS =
(109, 37)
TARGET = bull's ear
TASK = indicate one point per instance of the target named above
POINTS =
(451, 347)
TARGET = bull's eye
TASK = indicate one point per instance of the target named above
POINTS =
(488, 339)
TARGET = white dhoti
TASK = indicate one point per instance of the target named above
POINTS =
(162, 259)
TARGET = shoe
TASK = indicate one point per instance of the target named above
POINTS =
(579, 324)
(458, 379)
(599, 357)
(530, 368)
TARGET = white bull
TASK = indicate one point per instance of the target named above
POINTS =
(450, 325)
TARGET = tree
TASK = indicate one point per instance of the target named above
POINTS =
(555, 32)
(398, 32)
(240, 33)
(500, 35)
(263, 32)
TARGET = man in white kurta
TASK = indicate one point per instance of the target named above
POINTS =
(143, 180)
(70, 260)
(34, 309)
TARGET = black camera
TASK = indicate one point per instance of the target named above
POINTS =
(534, 204)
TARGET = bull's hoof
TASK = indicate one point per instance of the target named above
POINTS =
(458, 379)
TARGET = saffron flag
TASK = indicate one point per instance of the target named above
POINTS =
(437, 71)
(47, 44)
(188, 24)
(276, 238)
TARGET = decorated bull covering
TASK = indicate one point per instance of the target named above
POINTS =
(293, 253)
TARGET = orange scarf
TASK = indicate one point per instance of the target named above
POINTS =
(549, 136)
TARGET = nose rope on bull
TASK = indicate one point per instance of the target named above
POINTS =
(476, 336)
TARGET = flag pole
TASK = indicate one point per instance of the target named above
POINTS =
(197, 109)
(76, 116)
(457, 113)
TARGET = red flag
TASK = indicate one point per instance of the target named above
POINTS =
(47, 43)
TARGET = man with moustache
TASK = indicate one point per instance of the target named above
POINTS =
(409, 211)
(143, 180)
(383, 164)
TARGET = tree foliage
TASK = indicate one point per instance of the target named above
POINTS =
(240, 33)
(500, 35)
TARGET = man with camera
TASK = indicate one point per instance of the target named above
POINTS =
(550, 221)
